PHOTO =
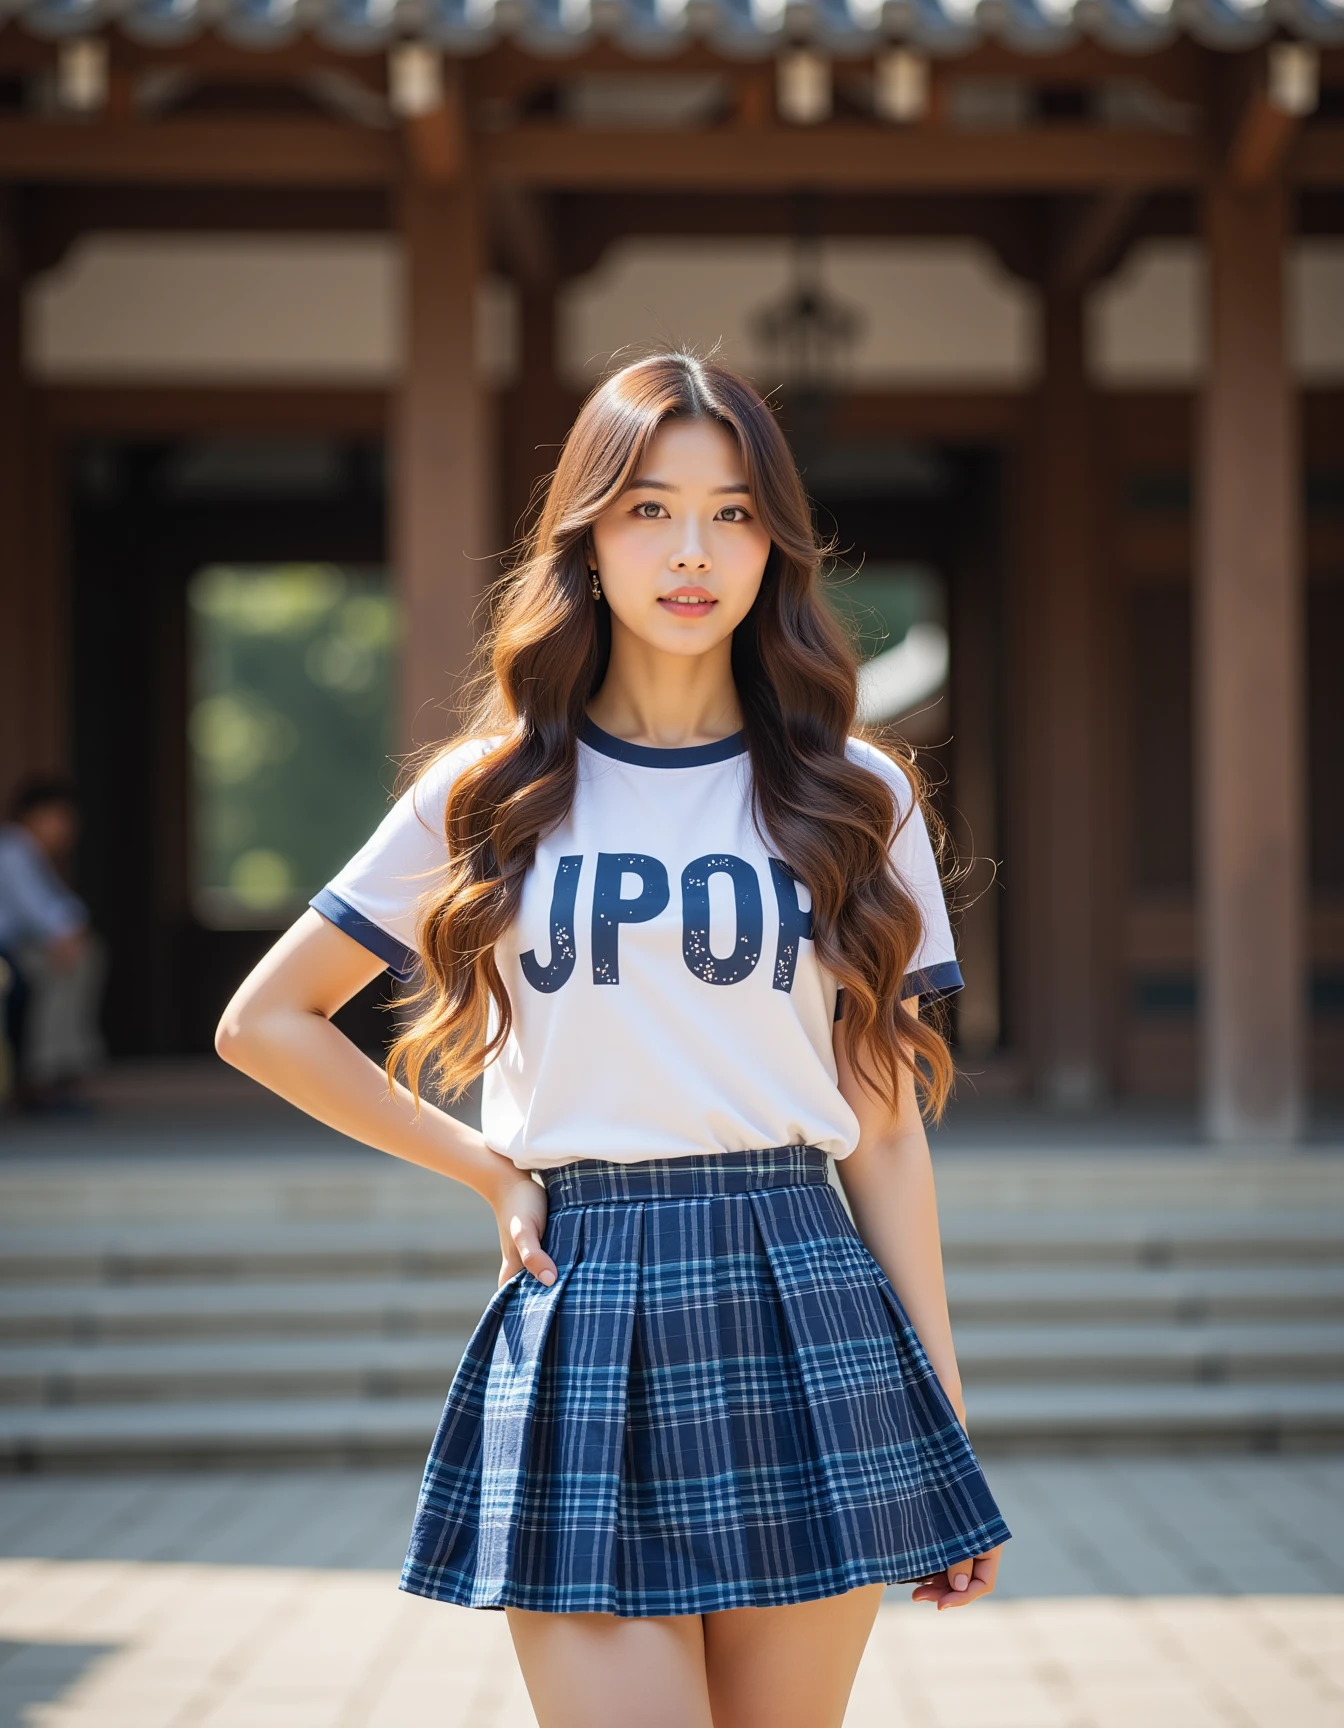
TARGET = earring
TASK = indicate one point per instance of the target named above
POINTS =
(596, 584)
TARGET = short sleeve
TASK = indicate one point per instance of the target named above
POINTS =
(377, 896)
(934, 971)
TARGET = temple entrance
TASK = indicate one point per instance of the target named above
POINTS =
(233, 642)
(921, 552)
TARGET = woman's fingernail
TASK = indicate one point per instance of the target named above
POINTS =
(548, 1277)
(960, 1581)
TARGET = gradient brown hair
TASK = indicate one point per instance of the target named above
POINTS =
(545, 653)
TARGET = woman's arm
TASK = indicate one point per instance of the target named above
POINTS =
(278, 1029)
(888, 1181)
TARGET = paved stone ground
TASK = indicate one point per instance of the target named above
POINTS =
(1136, 1593)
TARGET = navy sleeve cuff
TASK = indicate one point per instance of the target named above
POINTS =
(400, 960)
(929, 984)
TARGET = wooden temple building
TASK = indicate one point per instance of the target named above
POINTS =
(1145, 715)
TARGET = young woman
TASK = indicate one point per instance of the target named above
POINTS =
(682, 916)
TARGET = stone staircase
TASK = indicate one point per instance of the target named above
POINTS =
(312, 1307)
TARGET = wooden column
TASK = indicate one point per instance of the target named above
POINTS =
(1067, 1009)
(537, 417)
(444, 527)
(976, 632)
(537, 411)
(1249, 681)
(34, 627)
(14, 721)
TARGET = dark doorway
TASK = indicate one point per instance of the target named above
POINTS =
(147, 518)
(918, 529)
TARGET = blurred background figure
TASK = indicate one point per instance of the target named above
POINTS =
(54, 962)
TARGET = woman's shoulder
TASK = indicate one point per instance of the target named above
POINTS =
(434, 781)
(871, 756)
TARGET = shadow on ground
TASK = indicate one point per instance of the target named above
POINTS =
(36, 1674)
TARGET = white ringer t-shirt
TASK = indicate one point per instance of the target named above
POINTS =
(666, 996)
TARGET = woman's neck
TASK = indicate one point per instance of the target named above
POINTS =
(667, 700)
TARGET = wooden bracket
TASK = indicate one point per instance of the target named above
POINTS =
(428, 96)
(755, 104)
(1283, 90)
(522, 235)
(1091, 242)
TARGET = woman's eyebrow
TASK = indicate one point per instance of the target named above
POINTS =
(667, 486)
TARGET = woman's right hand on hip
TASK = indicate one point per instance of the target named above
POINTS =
(520, 1213)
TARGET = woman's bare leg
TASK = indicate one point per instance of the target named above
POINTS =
(788, 1667)
(602, 1671)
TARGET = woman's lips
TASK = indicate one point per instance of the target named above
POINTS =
(691, 608)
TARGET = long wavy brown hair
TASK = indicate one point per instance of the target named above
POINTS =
(542, 657)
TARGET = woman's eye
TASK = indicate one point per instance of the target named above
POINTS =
(733, 513)
(648, 509)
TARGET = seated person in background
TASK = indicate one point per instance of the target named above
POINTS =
(56, 961)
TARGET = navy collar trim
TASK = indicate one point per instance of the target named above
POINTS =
(657, 755)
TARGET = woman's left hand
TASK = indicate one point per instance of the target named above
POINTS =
(964, 1581)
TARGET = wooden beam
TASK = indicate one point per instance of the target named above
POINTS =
(61, 214)
(177, 410)
(199, 152)
(443, 514)
(587, 223)
(843, 159)
(844, 156)
(1250, 677)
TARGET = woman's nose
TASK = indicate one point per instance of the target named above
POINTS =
(692, 555)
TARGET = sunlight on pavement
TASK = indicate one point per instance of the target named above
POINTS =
(99, 1644)
(1200, 1591)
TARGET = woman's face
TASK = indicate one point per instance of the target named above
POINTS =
(685, 525)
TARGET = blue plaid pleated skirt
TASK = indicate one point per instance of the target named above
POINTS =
(719, 1403)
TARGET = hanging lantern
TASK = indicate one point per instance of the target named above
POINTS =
(808, 336)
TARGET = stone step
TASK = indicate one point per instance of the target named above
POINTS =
(1208, 1354)
(381, 1367)
(1079, 1415)
(1185, 1295)
(254, 1368)
(1083, 1416)
(126, 1254)
(232, 1434)
(382, 1247)
(82, 1313)
(1144, 1238)
(269, 1179)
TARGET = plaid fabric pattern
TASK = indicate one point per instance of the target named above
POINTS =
(719, 1403)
